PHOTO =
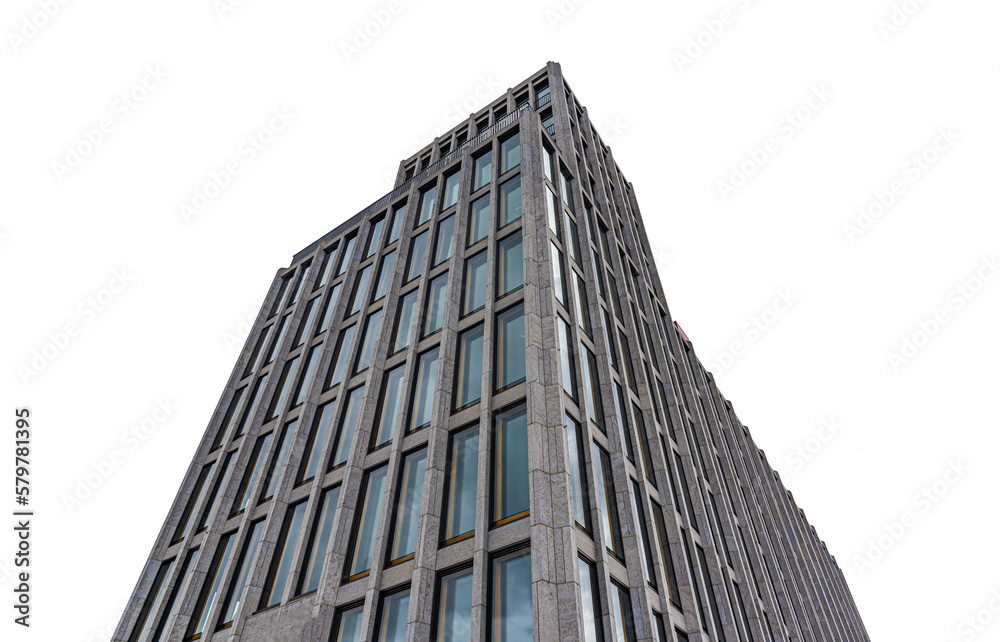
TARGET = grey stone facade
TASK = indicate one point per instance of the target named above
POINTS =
(732, 558)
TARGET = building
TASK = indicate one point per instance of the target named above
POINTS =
(467, 413)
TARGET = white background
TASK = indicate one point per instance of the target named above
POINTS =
(677, 127)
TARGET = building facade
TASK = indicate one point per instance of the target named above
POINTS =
(466, 413)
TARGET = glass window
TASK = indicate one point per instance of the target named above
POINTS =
(331, 305)
(173, 604)
(398, 214)
(661, 630)
(423, 392)
(284, 554)
(326, 267)
(640, 516)
(368, 340)
(510, 153)
(686, 492)
(599, 275)
(482, 172)
(627, 356)
(312, 565)
(451, 183)
(348, 423)
(510, 264)
(194, 503)
(647, 456)
(566, 357)
(511, 617)
(305, 384)
(254, 466)
(144, 624)
(404, 323)
(304, 328)
(278, 340)
(435, 305)
(624, 423)
(474, 293)
(582, 306)
(710, 589)
(374, 235)
(621, 608)
(463, 473)
(605, 487)
(360, 288)
(510, 465)
(258, 351)
(250, 408)
(567, 193)
(210, 590)
(348, 624)
(510, 201)
(552, 208)
(479, 218)
(574, 239)
(278, 464)
(284, 385)
(593, 631)
(547, 163)
(442, 246)
(317, 440)
(696, 584)
(558, 281)
(391, 406)
(454, 616)
(418, 248)
(426, 204)
(577, 466)
(211, 505)
(367, 524)
(511, 356)
(609, 336)
(661, 533)
(337, 366)
(279, 297)
(384, 275)
(469, 378)
(592, 388)
(392, 618)
(345, 257)
(222, 436)
(240, 575)
(411, 487)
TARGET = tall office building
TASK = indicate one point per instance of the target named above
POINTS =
(466, 413)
